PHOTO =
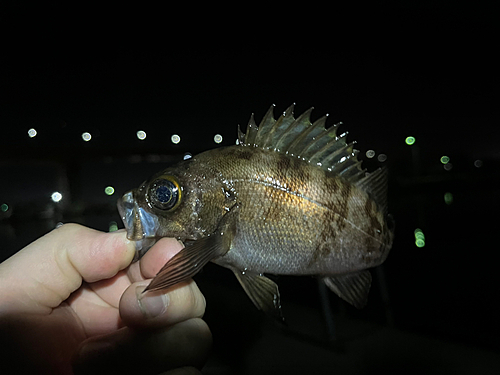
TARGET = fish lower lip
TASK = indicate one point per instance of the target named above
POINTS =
(140, 224)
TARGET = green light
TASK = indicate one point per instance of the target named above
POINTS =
(113, 226)
(448, 198)
(110, 190)
(4, 207)
(420, 243)
(410, 140)
(419, 238)
(445, 159)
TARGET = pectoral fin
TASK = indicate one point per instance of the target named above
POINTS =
(262, 291)
(352, 288)
(190, 260)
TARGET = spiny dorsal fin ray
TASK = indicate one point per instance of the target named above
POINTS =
(294, 131)
(265, 126)
(301, 142)
(252, 130)
(280, 126)
(305, 140)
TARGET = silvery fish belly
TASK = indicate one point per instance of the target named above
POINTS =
(290, 199)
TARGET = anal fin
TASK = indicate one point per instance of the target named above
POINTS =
(353, 287)
(263, 292)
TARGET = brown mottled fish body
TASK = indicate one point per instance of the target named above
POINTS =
(290, 199)
(294, 219)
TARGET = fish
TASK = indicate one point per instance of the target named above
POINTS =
(290, 198)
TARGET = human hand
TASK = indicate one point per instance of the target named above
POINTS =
(72, 301)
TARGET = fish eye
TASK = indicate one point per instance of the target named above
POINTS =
(165, 193)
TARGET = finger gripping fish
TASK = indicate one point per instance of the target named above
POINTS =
(291, 198)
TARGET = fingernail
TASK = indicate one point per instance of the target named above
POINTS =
(151, 304)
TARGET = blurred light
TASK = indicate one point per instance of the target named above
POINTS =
(86, 136)
(478, 163)
(445, 159)
(370, 154)
(419, 238)
(187, 156)
(113, 226)
(56, 196)
(110, 190)
(382, 157)
(175, 139)
(448, 166)
(448, 198)
(32, 133)
(4, 207)
(237, 141)
(218, 138)
(141, 135)
(410, 140)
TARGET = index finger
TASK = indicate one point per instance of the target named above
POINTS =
(43, 274)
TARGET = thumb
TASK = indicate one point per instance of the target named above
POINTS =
(43, 274)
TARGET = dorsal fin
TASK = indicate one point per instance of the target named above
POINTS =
(305, 140)
(375, 184)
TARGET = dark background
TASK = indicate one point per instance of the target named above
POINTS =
(388, 72)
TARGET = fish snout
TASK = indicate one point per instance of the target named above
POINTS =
(139, 223)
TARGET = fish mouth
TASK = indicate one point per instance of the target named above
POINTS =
(141, 226)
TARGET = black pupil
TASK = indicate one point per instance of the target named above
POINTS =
(165, 194)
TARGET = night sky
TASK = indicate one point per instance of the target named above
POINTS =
(425, 71)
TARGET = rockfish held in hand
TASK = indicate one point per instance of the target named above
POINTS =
(291, 198)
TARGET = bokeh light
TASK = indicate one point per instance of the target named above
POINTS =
(113, 226)
(410, 140)
(382, 157)
(86, 136)
(56, 196)
(448, 198)
(370, 154)
(141, 134)
(175, 139)
(419, 238)
(218, 138)
(109, 190)
(4, 207)
(445, 159)
(32, 133)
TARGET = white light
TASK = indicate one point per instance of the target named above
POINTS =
(382, 157)
(187, 156)
(56, 196)
(86, 136)
(175, 139)
(370, 154)
(218, 138)
(141, 135)
(32, 133)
